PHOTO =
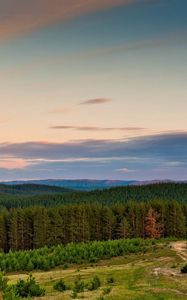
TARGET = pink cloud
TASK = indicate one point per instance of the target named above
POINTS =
(13, 164)
(20, 17)
(124, 170)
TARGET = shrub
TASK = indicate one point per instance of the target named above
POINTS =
(10, 293)
(29, 266)
(78, 285)
(94, 284)
(184, 269)
(65, 266)
(3, 281)
(29, 288)
(74, 295)
(60, 286)
(110, 280)
(107, 290)
(92, 259)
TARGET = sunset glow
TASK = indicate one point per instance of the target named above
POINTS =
(93, 89)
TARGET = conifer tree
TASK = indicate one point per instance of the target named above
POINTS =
(3, 232)
(13, 230)
(152, 227)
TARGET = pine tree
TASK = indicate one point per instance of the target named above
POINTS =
(55, 228)
(124, 228)
(13, 230)
(40, 227)
(107, 223)
(152, 227)
(28, 229)
(3, 232)
(175, 220)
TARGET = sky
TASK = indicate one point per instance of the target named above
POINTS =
(93, 89)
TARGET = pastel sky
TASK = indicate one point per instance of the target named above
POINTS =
(93, 89)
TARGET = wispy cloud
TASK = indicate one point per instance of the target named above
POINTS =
(168, 149)
(124, 170)
(13, 164)
(61, 110)
(161, 145)
(94, 128)
(96, 101)
(169, 39)
(19, 17)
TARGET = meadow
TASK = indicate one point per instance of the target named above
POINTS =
(154, 274)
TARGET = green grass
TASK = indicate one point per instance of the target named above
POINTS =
(134, 277)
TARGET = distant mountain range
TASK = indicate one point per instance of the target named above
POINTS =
(79, 184)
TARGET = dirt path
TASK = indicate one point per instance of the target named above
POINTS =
(180, 248)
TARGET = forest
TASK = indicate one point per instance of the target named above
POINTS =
(35, 227)
(21, 196)
(151, 211)
(43, 228)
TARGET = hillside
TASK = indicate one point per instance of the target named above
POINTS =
(30, 189)
(122, 235)
(152, 275)
(30, 194)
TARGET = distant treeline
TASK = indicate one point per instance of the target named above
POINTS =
(35, 227)
(30, 189)
(163, 191)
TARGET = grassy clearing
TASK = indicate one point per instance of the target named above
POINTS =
(154, 275)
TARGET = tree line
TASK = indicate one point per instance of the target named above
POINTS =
(163, 191)
(30, 189)
(35, 227)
